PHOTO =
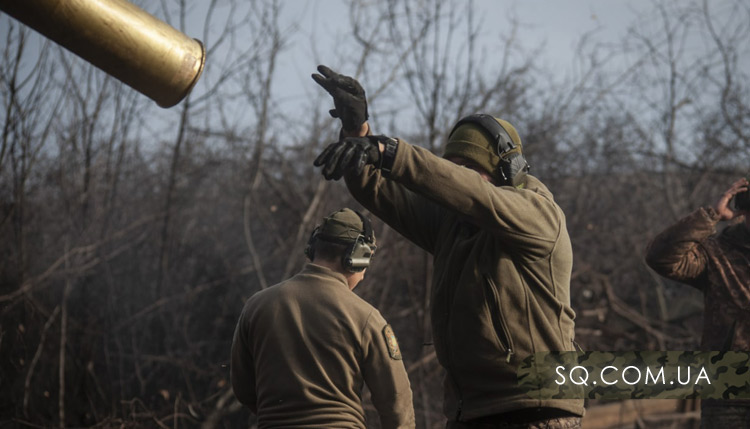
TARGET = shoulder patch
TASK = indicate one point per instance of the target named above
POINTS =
(391, 343)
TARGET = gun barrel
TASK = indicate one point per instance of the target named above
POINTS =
(121, 39)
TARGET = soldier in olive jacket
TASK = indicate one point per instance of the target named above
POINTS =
(691, 252)
(502, 255)
(303, 349)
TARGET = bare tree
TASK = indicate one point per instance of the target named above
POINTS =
(131, 234)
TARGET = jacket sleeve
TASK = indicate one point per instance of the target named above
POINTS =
(409, 213)
(524, 217)
(385, 375)
(242, 368)
(677, 252)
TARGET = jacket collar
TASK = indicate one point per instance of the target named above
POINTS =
(321, 271)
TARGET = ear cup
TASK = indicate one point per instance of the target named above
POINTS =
(358, 256)
(513, 170)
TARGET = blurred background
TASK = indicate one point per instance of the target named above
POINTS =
(130, 235)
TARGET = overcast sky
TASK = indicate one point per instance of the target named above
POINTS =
(557, 24)
(314, 26)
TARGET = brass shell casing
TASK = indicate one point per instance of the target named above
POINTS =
(121, 39)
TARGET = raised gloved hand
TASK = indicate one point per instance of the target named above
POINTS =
(348, 98)
(349, 154)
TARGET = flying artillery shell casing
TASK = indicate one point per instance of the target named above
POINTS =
(121, 39)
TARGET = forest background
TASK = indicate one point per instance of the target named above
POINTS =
(130, 235)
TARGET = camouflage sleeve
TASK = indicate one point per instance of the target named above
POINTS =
(677, 252)
(410, 214)
(383, 371)
(523, 217)
(242, 368)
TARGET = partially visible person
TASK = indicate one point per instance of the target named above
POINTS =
(303, 349)
(691, 252)
(502, 255)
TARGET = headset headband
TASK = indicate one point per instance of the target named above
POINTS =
(503, 142)
(366, 227)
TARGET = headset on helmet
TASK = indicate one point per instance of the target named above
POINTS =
(513, 167)
(359, 252)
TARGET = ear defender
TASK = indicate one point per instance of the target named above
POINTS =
(359, 254)
(513, 169)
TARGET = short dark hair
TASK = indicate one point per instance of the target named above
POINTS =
(328, 250)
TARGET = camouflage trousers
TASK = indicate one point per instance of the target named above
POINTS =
(556, 423)
(725, 417)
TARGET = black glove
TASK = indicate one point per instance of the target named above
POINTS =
(348, 97)
(351, 153)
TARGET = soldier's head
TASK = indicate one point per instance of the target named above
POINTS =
(344, 241)
(489, 146)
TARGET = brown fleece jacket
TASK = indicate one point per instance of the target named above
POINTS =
(303, 349)
(502, 265)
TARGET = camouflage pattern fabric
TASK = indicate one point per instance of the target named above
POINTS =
(636, 375)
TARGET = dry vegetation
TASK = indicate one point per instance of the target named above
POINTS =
(130, 235)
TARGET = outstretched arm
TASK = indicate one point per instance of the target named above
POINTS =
(526, 217)
(390, 177)
(407, 213)
(410, 214)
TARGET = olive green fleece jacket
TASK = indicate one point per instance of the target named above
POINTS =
(501, 283)
(303, 349)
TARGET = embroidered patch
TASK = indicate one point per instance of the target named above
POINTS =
(391, 343)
